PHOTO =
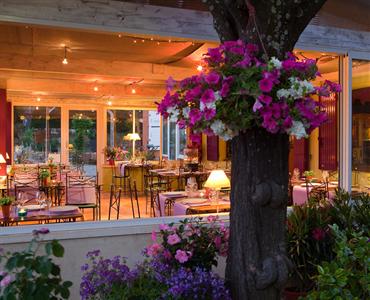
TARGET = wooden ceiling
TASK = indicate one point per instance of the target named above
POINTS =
(31, 64)
(185, 4)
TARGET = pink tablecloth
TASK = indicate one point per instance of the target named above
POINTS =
(41, 212)
(163, 197)
(300, 194)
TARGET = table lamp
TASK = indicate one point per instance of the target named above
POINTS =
(216, 181)
(134, 137)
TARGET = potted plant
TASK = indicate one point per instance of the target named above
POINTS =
(5, 204)
(309, 242)
(308, 175)
(44, 175)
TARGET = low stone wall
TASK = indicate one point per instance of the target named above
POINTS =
(124, 237)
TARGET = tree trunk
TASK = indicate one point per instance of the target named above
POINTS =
(257, 260)
(257, 267)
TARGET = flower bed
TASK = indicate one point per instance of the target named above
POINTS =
(177, 266)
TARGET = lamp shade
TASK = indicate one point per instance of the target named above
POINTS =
(217, 180)
(7, 155)
(134, 136)
(2, 160)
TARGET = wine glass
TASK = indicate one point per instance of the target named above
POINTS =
(40, 198)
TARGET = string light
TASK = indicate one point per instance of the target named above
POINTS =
(37, 108)
(199, 68)
(96, 88)
(38, 99)
(119, 35)
(109, 103)
(133, 90)
(135, 41)
(65, 60)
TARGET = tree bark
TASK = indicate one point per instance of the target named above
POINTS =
(257, 266)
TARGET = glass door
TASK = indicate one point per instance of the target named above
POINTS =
(82, 140)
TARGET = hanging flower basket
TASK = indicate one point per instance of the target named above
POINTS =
(241, 89)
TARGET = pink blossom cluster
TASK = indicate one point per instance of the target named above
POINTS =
(191, 242)
(241, 90)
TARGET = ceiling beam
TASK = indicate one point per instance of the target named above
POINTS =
(93, 67)
(113, 16)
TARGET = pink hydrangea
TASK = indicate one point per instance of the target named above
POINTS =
(173, 239)
(182, 256)
(154, 249)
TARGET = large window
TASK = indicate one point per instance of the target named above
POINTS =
(174, 140)
(122, 123)
(36, 134)
(361, 123)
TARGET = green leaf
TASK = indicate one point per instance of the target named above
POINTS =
(57, 248)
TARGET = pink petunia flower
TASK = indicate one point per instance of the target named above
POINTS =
(6, 281)
(173, 239)
(213, 78)
(208, 96)
(266, 85)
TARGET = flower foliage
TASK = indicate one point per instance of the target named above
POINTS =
(115, 153)
(191, 244)
(241, 90)
(28, 275)
(178, 268)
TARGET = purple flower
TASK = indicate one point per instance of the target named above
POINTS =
(40, 231)
(265, 85)
(214, 56)
(209, 113)
(226, 83)
(213, 78)
(170, 83)
(208, 96)
(173, 239)
(194, 116)
(257, 105)
(193, 93)
(265, 99)
(164, 227)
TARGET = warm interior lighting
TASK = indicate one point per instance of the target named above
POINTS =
(109, 103)
(96, 88)
(134, 136)
(133, 91)
(217, 180)
(199, 68)
(2, 159)
(65, 60)
(7, 155)
(120, 35)
(37, 108)
(38, 99)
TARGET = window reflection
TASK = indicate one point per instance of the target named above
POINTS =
(36, 134)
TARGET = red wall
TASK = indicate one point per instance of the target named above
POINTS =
(5, 128)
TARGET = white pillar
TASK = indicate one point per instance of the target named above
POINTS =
(345, 124)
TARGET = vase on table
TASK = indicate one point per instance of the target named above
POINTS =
(6, 211)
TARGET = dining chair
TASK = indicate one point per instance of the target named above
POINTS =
(84, 192)
(121, 173)
(114, 200)
(134, 198)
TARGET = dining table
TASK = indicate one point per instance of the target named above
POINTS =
(180, 203)
(40, 215)
(300, 191)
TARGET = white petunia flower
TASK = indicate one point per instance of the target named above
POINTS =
(218, 127)
(185, 112)
(275, 62)
(173, 112)
(298, 130)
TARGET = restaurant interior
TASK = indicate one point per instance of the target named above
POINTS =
(83, 140)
